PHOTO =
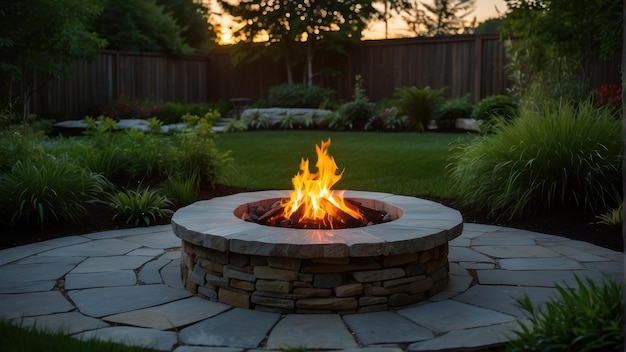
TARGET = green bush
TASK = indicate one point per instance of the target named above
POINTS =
(387, 119)
(298, 96)
(494, 105)
(48, 190)
(451, 109)
(194, 150)
(563, 156)
(357, 112)
(418, 104)
(182, 190)
(586, 318)
(140, 207)
(129, 108)
(173, 112)
(16, 145)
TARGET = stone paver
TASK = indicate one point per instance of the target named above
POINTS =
(170, 315)
(312, 332)
(125, 286)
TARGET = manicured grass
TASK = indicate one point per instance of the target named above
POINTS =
(399, 163)
(14, 338)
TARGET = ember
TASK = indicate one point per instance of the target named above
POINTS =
(312, 204)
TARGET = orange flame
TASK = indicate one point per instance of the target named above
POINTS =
(312, 191)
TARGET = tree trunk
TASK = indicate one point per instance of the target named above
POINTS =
(309, 63)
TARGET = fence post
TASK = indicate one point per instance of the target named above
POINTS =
(478, 68)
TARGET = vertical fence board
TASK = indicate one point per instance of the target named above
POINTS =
(463, 64)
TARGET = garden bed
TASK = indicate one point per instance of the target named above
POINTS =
(565, 224)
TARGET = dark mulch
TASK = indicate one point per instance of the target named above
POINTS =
(566, 224)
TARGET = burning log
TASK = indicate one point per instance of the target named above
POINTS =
(372, 215)
(335, 213)
(335, 217)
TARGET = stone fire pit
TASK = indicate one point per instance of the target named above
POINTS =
(286, 270)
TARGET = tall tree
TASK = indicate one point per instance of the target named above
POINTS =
(447, 16)
(140, 25)
(193, 18)
(392, 8)
(557, 40)
(285, 25)
(38, 38)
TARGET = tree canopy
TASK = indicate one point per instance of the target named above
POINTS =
(557, 40)
(283, 24)
(140, 25)
(37, 39)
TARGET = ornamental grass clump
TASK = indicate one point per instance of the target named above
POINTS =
(140, 207)
(566, 156)
(418, 104)
(48, 190)
(587, 318)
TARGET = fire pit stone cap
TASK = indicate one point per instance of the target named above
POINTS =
(420, 225)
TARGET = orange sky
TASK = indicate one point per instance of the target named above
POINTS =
(484, 9)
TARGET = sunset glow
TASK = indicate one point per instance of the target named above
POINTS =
(397, 28)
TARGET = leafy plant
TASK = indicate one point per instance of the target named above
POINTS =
(140, 207)
(358, 111)
(287, 122)
(182, 190)
(494, 105)
(452, 109)
(48, 190)
(257, 121)
(586, 318)
(387, 119)
(613, 217)
(195, 149)
(338, 121)
(235, 125)
(128, 108)
(16, 144)
(298, 96)
(563, 156)
(418, 104)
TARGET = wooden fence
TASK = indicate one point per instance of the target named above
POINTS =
(464, 64)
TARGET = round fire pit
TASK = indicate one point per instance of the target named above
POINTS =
(286, 270)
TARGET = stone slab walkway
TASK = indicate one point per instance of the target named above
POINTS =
(125, 286)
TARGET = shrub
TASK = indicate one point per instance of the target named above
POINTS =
(387, 119)
(48, 190)
(418, 104)
(561, 156)
(194, 151)
(182, 190)
(172, 112)
(129, 108)
(140, 207)
(494, 105)
(452, 109)
(298, 96)
(16, 145)
(337, 121)
(357, 112)
(613, 217)
(258, 122)
(587, 318)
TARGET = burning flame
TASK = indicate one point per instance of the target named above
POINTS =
(312, 200)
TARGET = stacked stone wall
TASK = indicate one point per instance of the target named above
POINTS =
(318, 285)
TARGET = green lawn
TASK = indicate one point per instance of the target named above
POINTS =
(399, 163)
